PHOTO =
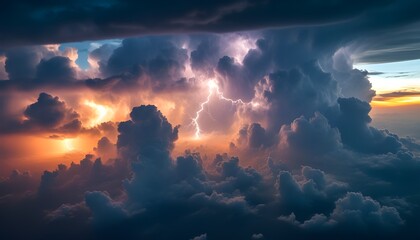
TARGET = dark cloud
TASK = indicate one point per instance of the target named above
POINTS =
(17, 183)
(317, 203)
(310, 117)
(21, 63)
(201, 237)
(206, 54)
(299, 91)
(375, 73)
(154, 61)
(75, 21)
(257, 236)
(104, 210)
(69, 184)
(182, 199)
(310, 137)
(398, 94)
(37, 67)
(255, 136)
(360, 212)
(49, 113)
(401, 44)
(146, 134)
(55, 69)
(356, 212)
(238, 80)
(101, 54)
(313, 194)
(353, 123)
(352, 82)
(50, 206)
(106, 149)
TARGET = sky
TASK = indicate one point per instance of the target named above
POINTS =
(235, 119)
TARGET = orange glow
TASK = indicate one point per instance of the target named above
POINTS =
(68, 144)
(103, 113)
(396, 101)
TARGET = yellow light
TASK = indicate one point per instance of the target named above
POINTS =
(397, 101)
(68, 144)
(103, 113)
(212, 84)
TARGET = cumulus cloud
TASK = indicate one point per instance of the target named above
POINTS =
(352, 82)
(69, 184)
(106, 149)
(255, 136)
(147, 133)
(50, 112)
(50, 205)
(304, 106)
(354, 213)
(353, 123)
(17, 183)
(52, 117)
(55, 69)
(181, 194)
(313, 194)
(311, 137)
(153, 61)
(39, 65)
(299, 91)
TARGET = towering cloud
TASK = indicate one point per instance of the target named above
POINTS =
(147, 135)
(50, 112)
(288, 105)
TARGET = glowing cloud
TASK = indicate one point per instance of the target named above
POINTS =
(102, 112)
(242, 45)
(213, 88)
(68, 144)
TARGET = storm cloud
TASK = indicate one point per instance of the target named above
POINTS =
(285, 144)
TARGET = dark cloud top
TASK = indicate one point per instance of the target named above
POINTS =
(27, 22)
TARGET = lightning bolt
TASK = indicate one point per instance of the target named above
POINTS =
(213, 89)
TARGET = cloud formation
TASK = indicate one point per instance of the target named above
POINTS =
(186, 193)
(305, 162)
(119, 18)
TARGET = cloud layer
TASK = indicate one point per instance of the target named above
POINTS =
(287, 147)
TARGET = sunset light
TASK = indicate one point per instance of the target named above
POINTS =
(210, 120)
(102, 113)
(68, 144)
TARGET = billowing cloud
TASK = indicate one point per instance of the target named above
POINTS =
(288, 106)
(302, 201)
(312, 137)
(356, 212)
(353, 123)
(55, 69)
(146, 134)
(50, 112)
